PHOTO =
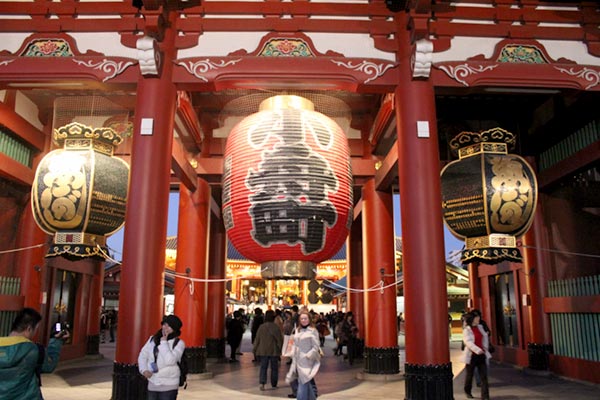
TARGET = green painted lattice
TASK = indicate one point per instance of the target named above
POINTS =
(14, 148)
(576, 335)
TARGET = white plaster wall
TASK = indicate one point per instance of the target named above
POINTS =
(105, 43)
(28, 110)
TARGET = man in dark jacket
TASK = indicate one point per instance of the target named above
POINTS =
(267, 347)
(235, 331)
(21, 360)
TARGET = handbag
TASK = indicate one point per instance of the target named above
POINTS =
(288, 346)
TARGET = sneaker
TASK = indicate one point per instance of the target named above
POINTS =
(469, 396)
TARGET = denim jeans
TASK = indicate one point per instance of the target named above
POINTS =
(170, 395)
(264, 364)
(306, 391)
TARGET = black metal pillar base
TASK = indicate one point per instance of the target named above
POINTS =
(382, 360)
(92, 345)
(428, 382)
(128, 383)
(539, 356)
(215, 348)
(196, 359)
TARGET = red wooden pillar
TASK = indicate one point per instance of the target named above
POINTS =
(428, 368)
(31, 260)
(534, 264)
(215, 314)
(142, 280)
(474, 287)
(354, 279)
(192, 257)
(94, 307)
(381, 336)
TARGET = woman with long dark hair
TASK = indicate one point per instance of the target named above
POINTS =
(159, 358)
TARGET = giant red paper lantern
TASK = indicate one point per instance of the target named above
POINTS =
(287, 188)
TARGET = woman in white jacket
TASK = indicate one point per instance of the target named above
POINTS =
(476, 354)
(159, 357)
(306, 360)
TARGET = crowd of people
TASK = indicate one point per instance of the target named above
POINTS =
(295, 334)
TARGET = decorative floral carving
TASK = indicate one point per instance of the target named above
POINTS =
(366, 67)
(201, 67)
(108, 66)
(286, 48)
(589, 75)
(48, 48)
(521, 54)
(462, 71)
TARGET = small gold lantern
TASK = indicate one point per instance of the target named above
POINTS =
(488, 196)
(79, 192)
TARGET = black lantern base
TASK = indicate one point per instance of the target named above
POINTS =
(92, 345)
(128, 383)
(215, 348)
(76, 252)
(431, 382)
(491, 255)
(382, 360)
(539, 356)
(196, 359)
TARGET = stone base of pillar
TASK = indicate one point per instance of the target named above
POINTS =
(432, 382)
(215, 348)
(196, 359)
(128, 383)
(539, 356)
(92, 345)
(382, 360)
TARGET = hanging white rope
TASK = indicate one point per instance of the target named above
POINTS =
(22, 248)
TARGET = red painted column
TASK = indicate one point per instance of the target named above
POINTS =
(381, 336)
(428, 368)
(534, 265)
(215, 314)
(355, 277)
(94, 307)
(192, 258)
(474, 287)
(30, 261)
(142, 280)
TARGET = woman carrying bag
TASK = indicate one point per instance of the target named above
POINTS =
(306, 358)
(159, 358)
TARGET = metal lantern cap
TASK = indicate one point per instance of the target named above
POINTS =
(495, 140)
(286, 102)
(79, 135)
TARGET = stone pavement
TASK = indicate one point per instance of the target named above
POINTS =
(91, 379)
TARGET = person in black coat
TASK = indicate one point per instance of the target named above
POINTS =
(235, 331)
(256, 323)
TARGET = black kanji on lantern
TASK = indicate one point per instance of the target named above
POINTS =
(290, 204)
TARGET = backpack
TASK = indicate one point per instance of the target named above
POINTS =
(182, 364)
(183, 367)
